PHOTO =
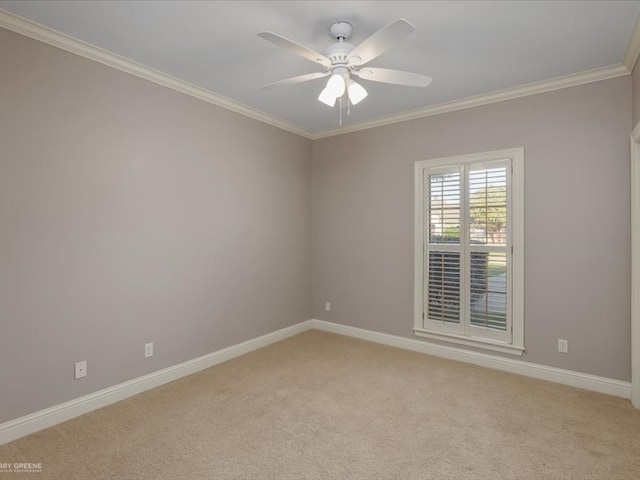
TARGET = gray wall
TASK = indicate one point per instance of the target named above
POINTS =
(131, 213)
(577, 261)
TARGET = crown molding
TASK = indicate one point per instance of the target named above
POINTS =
(633, 49)
(60, 40)
(558, 83)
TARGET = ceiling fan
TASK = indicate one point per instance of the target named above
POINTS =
(342, 60)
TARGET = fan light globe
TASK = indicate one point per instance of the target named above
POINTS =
(335, 89)
(357, 93)
(336, 85)
(327, 97)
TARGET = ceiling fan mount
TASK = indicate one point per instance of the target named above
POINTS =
(341, 60)
(341, 30)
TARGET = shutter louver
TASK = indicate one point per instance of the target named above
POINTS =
(489, 290)
(488, 239)
(442, 258)
(488, 205)
(444, 286)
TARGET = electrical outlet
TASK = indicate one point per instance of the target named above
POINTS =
(148, 350)
(563, 345)
(327, 306)
(81, 369)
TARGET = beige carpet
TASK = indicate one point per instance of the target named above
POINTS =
(323, 406)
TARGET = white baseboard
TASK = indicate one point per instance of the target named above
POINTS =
(609, 386)
(49, 417)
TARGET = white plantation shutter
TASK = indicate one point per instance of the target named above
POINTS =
(488, 259)
(443, 275)
(464, 247)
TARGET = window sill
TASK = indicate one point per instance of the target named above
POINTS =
(471, 342)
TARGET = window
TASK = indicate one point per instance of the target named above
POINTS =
(469, 250)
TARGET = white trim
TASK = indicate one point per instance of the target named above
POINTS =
(595, 383)
(60, 40)
(518, 244)
(633, 49)
(48, 417)
(28, 424)
(635, 266)
(573, 80)
(635, 134)
(484, 344)
(511, 341)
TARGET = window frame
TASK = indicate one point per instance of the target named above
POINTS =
(463, 333)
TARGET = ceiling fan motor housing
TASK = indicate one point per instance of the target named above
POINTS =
(337, 52)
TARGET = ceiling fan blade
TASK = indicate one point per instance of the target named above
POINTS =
(296, 48)
(380, 42)
(298, 79)
(397, 77)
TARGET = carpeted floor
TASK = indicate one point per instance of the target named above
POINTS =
(323, 406)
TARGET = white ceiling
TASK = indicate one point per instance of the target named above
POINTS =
(469, 48)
